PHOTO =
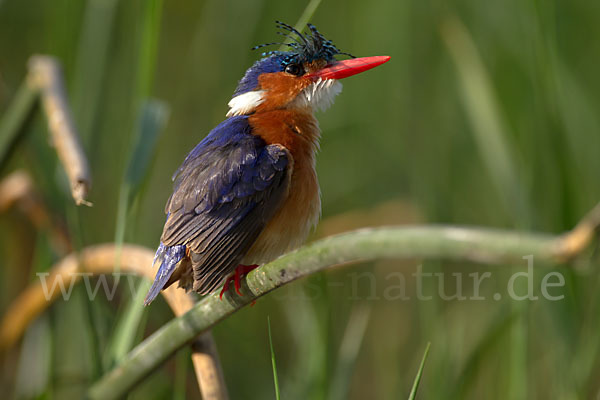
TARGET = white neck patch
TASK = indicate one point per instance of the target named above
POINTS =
(318, 95)
(245, 103)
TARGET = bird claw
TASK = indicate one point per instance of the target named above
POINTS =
(240, 271)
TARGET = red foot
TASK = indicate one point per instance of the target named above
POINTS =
(240, 271)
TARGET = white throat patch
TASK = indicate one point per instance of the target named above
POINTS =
(245, 103)
(318, 95)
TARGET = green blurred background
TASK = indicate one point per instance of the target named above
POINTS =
(486, 115)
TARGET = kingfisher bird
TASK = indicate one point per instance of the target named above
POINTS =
(248, 192)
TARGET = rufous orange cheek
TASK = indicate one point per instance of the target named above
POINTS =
(280, 88)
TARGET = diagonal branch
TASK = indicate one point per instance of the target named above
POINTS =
(473, 244)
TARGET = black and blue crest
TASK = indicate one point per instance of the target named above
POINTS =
(303, 48)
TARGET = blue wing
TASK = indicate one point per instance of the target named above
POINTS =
(225, 192)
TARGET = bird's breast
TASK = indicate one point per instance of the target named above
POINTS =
(299, 133)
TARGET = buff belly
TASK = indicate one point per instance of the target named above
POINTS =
(290, 226)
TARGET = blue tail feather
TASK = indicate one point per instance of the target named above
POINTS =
(168, 256)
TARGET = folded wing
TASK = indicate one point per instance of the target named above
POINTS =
(226, 191)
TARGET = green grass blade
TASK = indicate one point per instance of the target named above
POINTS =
(304, 19)
(417, 381)
(351, 342)
(307, 377)
(129, 323)
(152, 121)
(152, 14)
(34, 367)
(181, 366)
(154, 115)
(91, 63)
(275, 379)
(307, 14)
(474, 362)
(488, 125)
(15, 117)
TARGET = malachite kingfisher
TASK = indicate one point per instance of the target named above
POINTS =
(248, 192)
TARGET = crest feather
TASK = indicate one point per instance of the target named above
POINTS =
(305, 47)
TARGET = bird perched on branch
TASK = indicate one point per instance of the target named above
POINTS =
(248, 192)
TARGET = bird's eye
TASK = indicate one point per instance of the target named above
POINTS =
(295, 69)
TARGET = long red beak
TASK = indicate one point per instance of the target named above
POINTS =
(345, 68)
